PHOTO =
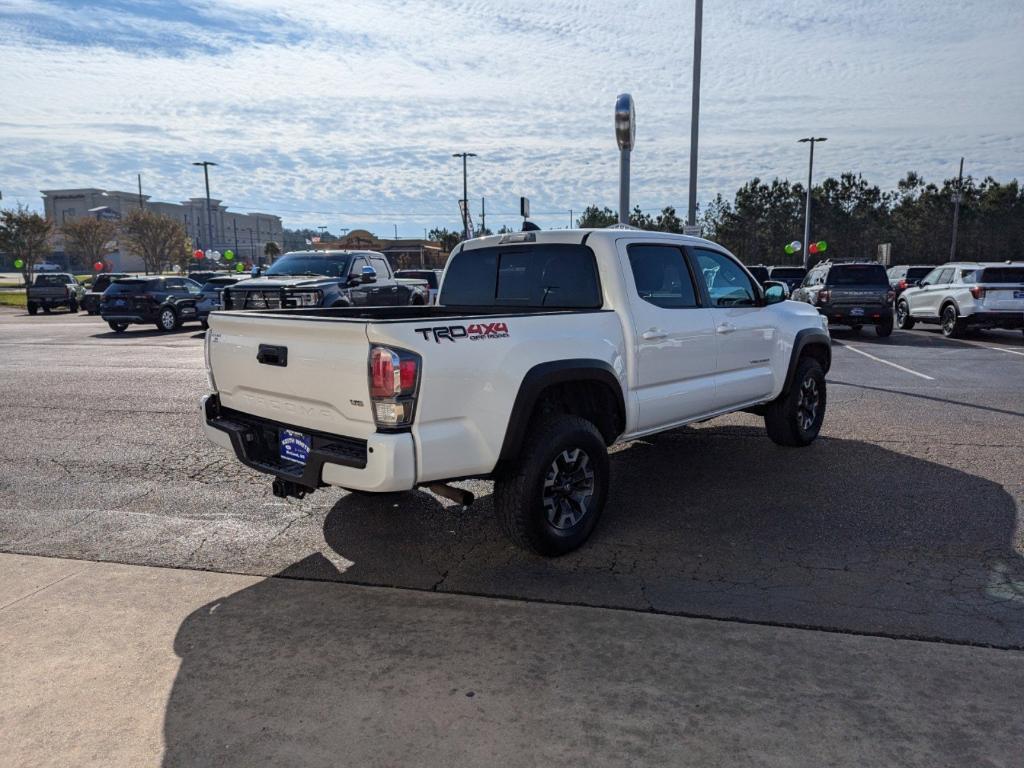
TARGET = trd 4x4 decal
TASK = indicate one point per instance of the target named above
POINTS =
(473, 332)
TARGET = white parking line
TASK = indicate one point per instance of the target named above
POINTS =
(1011, 351)
(886, 362)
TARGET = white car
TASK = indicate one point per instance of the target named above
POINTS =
(964, 295)
(546, 348)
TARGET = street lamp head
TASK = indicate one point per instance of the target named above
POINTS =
(204, 162)
(812, 138)
(625, 121)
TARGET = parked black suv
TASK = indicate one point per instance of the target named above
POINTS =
(326, 279)
(853, 293)
(165, 301)
(91, 299)
(904, 276)
(210, 299)
(791, 276)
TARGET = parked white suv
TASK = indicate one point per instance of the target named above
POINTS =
(965, 295)
(547, 348)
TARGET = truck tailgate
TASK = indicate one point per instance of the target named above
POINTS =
(301, 372)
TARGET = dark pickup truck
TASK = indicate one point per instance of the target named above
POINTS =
(850, 293)
(326, 279)
(52, 290)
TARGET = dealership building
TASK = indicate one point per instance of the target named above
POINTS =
(245, 233)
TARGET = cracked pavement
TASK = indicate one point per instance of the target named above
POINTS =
(903, 520)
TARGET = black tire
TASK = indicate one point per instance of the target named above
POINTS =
(117, 327)
(794, 418)
(903, 319)
(952, 326)
(551, 479)
(73, 307)
(93, 311)
(32, 309)
(204, 324)
(46, 309)
(167, 320)
(884, 329)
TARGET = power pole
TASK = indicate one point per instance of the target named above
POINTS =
(570, 218)
(691, 216)
(209, 217)
(465, 193)
(956, 208)
(142, 204)
(807, 214)
(234, 223)
(483, 214)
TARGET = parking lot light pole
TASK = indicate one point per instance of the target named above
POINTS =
(465, 192)
(807, 214)
(691, 215)
(209, 219)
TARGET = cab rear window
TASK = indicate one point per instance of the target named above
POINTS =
(530, 276)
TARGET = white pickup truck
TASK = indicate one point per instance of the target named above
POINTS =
(545, 349)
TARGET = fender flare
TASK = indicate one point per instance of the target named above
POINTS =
(803, 339)
(544, 375)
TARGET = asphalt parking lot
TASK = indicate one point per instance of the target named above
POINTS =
(902, 521)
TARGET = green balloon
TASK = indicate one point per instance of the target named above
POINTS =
(239, 267)
(822, 245)
(788, 249)
(229, 255)
(18, 263)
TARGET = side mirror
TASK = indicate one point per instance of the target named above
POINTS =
(775, 291)
(920, 284)
(368, 275)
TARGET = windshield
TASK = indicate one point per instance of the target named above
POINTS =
(858, 274)
(328, 264)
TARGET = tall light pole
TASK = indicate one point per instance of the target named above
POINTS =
(625, 137)
(956, 208)
(807, 214)
(209, 220)
(691, 216)
(465, 192)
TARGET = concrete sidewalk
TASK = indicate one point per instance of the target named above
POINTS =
(113, 665)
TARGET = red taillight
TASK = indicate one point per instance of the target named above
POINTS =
(902, 285)
(394, 377)
(978, 292)
(824, 295)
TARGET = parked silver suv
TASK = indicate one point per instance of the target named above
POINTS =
(963, 295)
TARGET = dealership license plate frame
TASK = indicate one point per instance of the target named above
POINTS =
(294, 446)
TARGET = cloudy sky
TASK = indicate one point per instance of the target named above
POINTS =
(346, 114)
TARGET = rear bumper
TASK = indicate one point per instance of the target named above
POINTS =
(382, 463)
(996, 319)
(124, 318)
(871, 316)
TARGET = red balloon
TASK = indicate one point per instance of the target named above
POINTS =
(98, 266)
(198, 254)
(813, 248)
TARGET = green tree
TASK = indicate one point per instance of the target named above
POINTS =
(87, 240)
(271, 250)
(159, 240)
(447, 238)
(597, 218)
(26, 237)
(668, 221)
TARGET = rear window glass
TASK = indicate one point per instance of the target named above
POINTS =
(759, 273)
(1002, 275)
(131, 287)
(52, 280)
(788, 272)
(547, 275)
(858, 274)
(916, 273)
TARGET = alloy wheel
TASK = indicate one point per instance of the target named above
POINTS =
(568, 488)
(807, 403)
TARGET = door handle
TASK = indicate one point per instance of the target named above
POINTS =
(725, 328)
(653, 333)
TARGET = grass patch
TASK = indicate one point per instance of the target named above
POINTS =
(13, 299)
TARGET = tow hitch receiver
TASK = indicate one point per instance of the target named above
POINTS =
(285, 488)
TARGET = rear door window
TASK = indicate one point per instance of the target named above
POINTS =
(661, 276)
(381, 265)
(531, 276)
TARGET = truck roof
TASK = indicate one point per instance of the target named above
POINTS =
(582, 235)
